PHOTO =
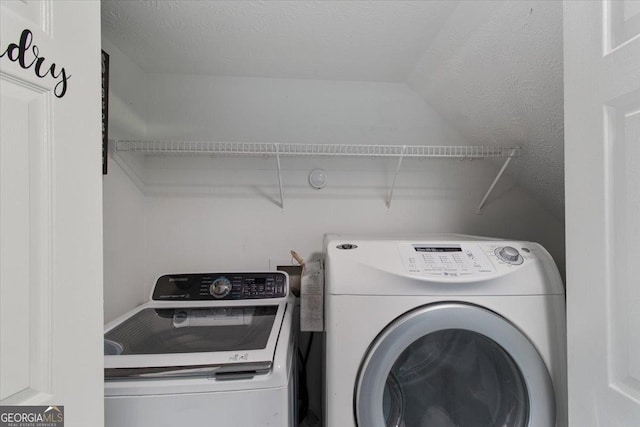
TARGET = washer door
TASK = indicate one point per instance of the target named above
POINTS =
(452, 365)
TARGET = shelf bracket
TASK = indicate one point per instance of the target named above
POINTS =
(395, 176)
(279, 175)
(495, 181)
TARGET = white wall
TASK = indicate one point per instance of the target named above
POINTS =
(202, 213)
(124, 219)
(184, 213)
(289, 110)
(496, 68)
(200, 232)
(211, 214)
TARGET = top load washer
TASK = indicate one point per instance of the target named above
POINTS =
(443, 330)
(215, 349)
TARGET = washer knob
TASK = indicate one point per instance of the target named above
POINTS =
(508, 254)
(220, 288)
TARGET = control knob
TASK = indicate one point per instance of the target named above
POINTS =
(220, 288)
(509, 254)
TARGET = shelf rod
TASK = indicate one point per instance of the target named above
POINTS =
(289, 149)
(279, 175)
(495, 181)
(395, 177)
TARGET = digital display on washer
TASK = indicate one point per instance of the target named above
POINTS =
(437, 248)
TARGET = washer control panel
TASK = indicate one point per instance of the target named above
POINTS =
(221, 286)
(463, 258)
(444, 259)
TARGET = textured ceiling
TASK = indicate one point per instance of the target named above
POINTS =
(495, 72)
(337, 40)
(493, 69)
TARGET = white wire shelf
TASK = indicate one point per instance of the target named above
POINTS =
(278, 150)
(287, 149)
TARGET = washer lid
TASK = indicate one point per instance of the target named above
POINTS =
(155, 340)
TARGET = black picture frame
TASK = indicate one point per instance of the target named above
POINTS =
(105, 110)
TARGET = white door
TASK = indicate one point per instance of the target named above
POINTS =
(51, 208)
(602, 158)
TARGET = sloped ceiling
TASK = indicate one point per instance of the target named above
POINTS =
(495, 72)
(341, 40)
(493, 69)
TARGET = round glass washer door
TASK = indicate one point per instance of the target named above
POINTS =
(453, 364)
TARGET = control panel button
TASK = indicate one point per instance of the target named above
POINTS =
(509, 254)
(220, 288)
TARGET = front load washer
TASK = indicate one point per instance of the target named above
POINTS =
(443, 330)
(213, 349)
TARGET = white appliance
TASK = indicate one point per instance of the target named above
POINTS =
(443, 330)
(212, 349)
